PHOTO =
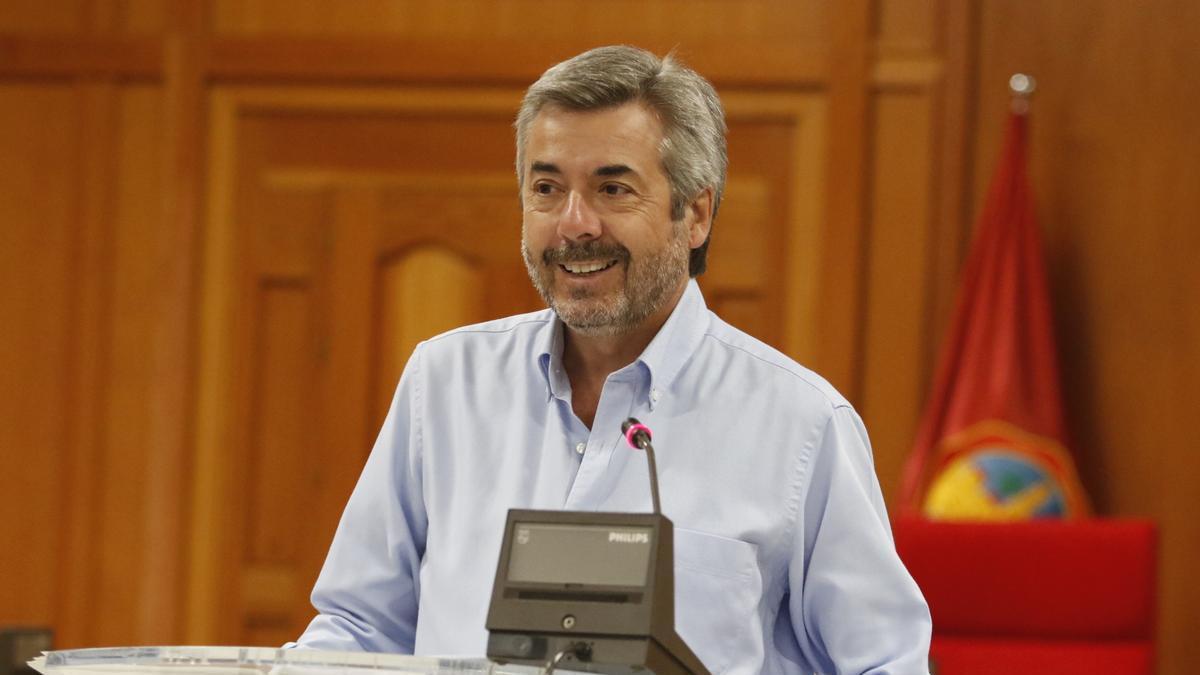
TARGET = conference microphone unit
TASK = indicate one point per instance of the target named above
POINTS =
(590, 591)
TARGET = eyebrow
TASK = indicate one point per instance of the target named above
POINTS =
(606, 171)
(614, 170)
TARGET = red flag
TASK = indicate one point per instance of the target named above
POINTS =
(992, 440)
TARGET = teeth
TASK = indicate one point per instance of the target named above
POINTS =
(585, 267)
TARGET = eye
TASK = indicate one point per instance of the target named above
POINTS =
(614, 189)
(543, 188)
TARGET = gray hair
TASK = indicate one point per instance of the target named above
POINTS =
(693, 146)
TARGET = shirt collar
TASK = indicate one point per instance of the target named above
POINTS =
(663, 358)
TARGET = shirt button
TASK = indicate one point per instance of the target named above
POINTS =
(654, 394)
(580, 447)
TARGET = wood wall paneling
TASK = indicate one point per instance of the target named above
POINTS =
(41, 131)
(97, 176)
(732, 283)
(33, 16)
(616, 21)
(767, 236)
(208, 513)
(125, 478)
(179, 146)
(61, 56)
(897, 277)
(951, 226)
(908, 27)
(84, 16)
(90, 257)
(842, 252)
(761, 41)
(282, 421)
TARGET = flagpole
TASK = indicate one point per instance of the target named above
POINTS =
(1021, 86)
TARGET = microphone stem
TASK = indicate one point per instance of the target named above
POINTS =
(653, 476)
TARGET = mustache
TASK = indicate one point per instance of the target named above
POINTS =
(589, 250)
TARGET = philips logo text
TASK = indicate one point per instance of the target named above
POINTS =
(628, 538)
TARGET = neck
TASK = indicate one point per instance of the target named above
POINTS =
(589, 359)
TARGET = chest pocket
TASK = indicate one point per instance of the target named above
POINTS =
(717, 589)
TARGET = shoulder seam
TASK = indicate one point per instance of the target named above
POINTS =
(497, 331)
(828, 399)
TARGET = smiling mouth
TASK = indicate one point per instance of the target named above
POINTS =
(586, 268)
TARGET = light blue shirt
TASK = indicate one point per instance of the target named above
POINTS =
(783, 552)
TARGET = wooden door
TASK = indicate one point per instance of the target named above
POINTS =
(346, 225)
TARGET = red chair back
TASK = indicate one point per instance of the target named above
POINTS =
(1061, 597)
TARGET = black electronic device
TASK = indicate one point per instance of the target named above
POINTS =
(19, 645)
(590, 591)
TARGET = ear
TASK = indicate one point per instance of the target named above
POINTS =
(698, 217)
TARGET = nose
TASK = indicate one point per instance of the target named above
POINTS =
(578, 221)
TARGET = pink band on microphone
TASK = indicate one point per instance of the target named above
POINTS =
(633, 429)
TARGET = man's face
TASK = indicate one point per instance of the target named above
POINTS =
(597, 235)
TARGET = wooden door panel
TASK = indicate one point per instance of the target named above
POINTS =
(423, 290)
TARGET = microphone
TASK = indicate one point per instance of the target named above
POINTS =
(638, 437)
(561, 599)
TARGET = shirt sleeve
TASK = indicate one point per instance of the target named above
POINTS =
(366, 595)
(854, 606)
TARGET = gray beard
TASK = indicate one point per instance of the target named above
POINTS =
(649, 282)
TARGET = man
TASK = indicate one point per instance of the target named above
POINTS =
(784, 557)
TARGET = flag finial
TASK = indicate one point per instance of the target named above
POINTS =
(1022, 87)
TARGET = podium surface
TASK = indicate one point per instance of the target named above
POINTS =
(264, 660)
